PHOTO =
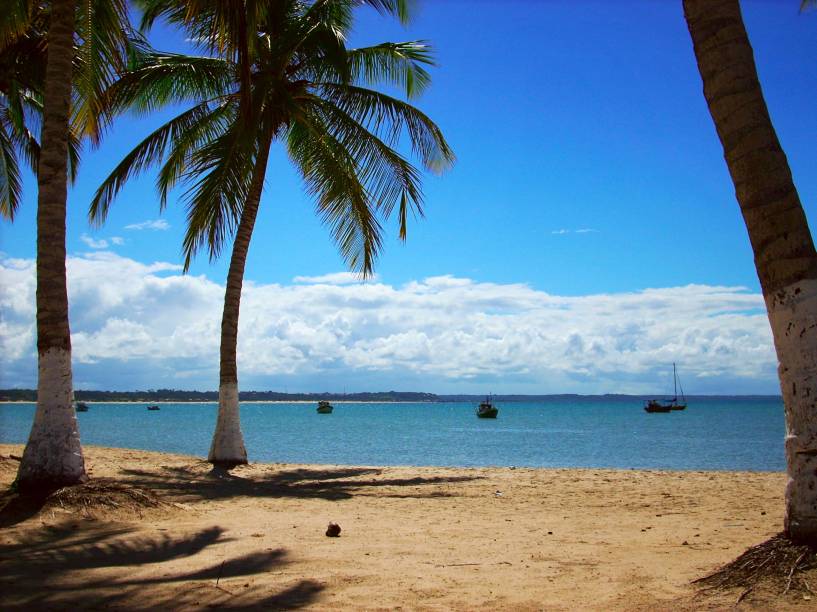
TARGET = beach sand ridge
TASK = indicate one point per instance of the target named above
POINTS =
(412, 537)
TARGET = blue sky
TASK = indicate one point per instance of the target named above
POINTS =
(588, 166)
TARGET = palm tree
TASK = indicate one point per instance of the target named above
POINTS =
(307, 90)
(86, 41)
(784, 251)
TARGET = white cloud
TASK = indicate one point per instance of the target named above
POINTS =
(334, 278)
(138, 325)
(158, 224)
(117, 240)
(583, 230)
(94, 244)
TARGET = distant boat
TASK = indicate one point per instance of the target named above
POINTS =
(487, 410)
(82, 407)
(324, 407)
(154, 407)
(668, 406)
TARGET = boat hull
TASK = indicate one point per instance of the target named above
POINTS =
(325, 410)
(487, 414)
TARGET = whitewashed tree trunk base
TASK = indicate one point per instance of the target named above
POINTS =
(793, 317)
(53, 455)
(227, 448)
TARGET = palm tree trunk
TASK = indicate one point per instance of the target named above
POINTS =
(227, 449)
(784, 251)
(53, 455)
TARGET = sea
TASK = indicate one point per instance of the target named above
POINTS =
(724, 433)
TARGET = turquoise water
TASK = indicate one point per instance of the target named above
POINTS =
(712, 434)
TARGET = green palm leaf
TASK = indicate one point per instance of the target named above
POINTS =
(147, 153)
(157, 79)
(384, 114)
(331, 176)
(10, 183)
(390, 179)
(398, 64)
(215, 200)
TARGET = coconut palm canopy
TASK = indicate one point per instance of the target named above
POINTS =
(102, 35)
(308, 91)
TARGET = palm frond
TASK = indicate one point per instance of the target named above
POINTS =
(104, 38)
(147, 153)
(74, 153)
(206, 129)
(331, 176)
(389, 178)
(10, 183)
(222, 170)
(402, 9)
(157, 79)
(18, 133)
(14, 19)
(382, 114)
(398, 64)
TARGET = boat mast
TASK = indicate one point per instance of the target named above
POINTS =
(674, 382)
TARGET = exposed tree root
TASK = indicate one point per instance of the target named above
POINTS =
(777, 563)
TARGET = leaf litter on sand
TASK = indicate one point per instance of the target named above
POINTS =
(777, 564)
(104, 496)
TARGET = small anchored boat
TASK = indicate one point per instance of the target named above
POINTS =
(324, 407)
(154, 407)
(82, 407)
(673, 404)
(487, 410)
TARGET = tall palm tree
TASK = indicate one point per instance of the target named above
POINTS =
(82, 44)
(783, 247)
(307, 90)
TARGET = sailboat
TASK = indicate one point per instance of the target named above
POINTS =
(663, 406)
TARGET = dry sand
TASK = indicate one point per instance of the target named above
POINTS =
(177, 536)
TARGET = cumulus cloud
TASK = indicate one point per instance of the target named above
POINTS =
(94, 244)
(138, 325)
(335, 278)
(117, 240)
(157, 224)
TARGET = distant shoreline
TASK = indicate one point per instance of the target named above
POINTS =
(454, 399)
(215, 401)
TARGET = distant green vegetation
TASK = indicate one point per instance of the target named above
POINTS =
(176, 395)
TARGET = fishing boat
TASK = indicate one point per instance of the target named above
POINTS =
(154, 407)
(487, 410)
(673, 404)
(82, 407)
(324, 407)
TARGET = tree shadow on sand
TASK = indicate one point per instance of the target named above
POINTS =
(69, 566)
(189, 483)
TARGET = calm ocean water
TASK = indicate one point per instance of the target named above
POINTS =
(711, 434)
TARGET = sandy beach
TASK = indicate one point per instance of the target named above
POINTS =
(158, 530)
